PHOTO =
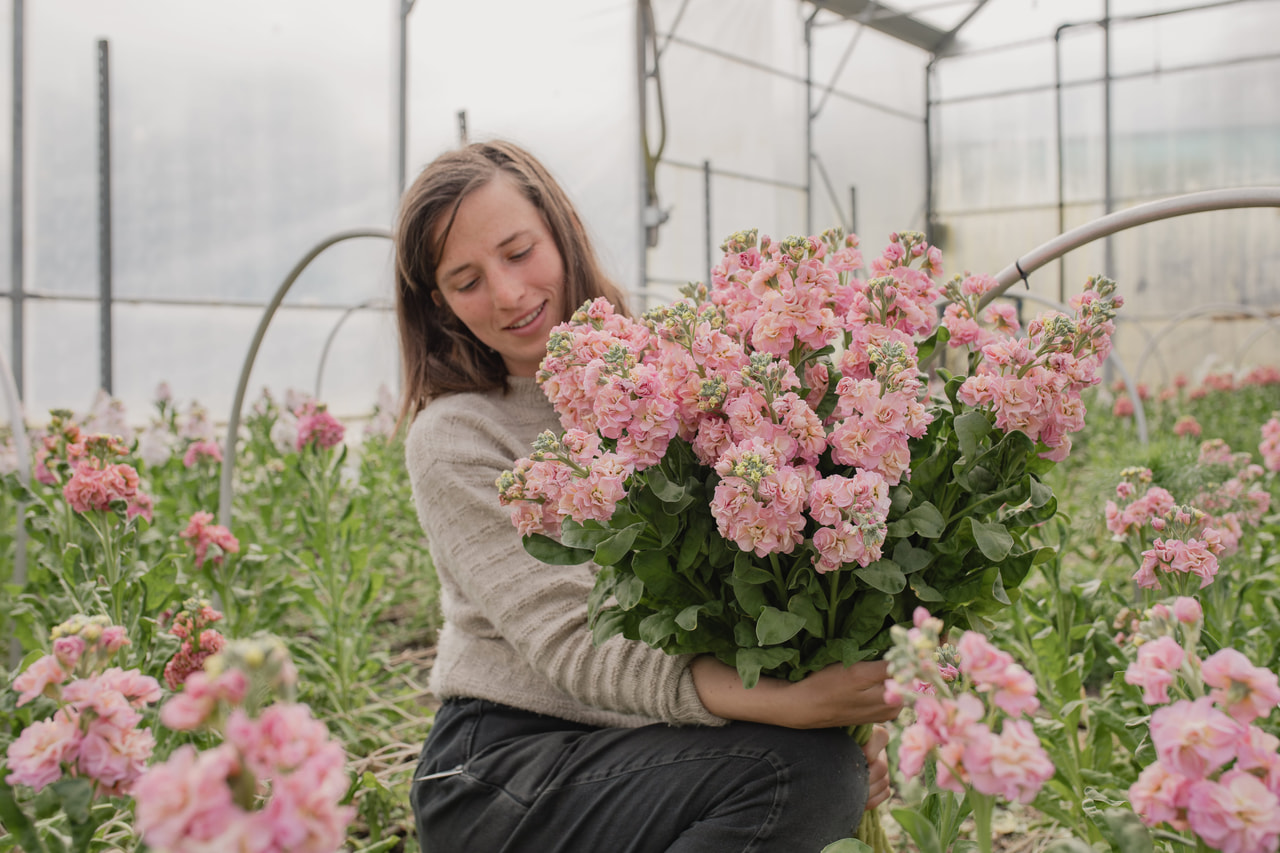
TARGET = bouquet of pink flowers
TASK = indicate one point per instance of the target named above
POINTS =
(761, 472)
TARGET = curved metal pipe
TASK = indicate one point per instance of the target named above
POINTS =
(1168, 208)
(233, 422)
(333, 333)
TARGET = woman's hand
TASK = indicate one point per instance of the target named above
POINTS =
(878, 767)
(832, 697)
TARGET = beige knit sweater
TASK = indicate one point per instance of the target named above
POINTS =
(516, 629)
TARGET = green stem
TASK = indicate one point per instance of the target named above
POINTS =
(983, 807)
(831, 605)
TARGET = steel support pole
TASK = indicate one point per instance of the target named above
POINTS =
(642, 124)
(402, 126)
(105, 347)
(17, 245)
(708, 237)
(1108, 258)
(1058, 134)
(808, 122)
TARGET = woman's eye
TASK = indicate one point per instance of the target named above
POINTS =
(467, 285)
(521, 255)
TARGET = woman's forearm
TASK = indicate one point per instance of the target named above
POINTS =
(834, 696)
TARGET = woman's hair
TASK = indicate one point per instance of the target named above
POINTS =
(439, 353)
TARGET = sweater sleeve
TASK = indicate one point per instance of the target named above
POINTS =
(455, 454)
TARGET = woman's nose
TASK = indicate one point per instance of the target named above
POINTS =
(506, 287)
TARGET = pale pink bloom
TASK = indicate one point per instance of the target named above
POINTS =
(185, 803)
(1236, 814)
(199, 699)
(202, 534)
(199, 451)
(1187, 610)
(1161, 796)
(1245, 691)
(1154, 669)
(283, 738)
(1187, 425)
(1270, 446)
(916, 744)
(68, 651)
(1004, 318)
(1194, 738)
(37, 756)
(115, 756)
(1011, 764)
(95, 487)
(319, 428)
(43, 674)
(141, 505)
(1259, 753)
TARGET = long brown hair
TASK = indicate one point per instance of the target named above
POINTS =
(439, 353)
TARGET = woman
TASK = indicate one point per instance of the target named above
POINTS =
(544, 741)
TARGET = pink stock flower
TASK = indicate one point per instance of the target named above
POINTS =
(317, 427)
(185, 803)
(1187, 426)
(994, 670)
(1161, 796)
(96, 487)
(1270, 446)
(200, 697)
(201, 534)
(1235, 814)
(37, 756)
(44, 674)
(1154, 669)
(1011, 764)
(200, 451)
(1187, 610)
(1245, 691)
(1194, 739)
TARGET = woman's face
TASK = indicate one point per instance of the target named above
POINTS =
(501, 273)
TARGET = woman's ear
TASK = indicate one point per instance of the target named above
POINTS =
(437, 299)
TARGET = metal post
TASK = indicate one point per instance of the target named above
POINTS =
(18, 210)
(853, 210)
(1108, 189)
(808, 122)
(706, 219)
(406, 6)
(1058, 148)
(642, 104)
(104, 215)
(930, 214)
(463, 136)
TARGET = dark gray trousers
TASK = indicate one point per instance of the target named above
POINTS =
(494, 779)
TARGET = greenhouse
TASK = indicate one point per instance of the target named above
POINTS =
(1019, 438)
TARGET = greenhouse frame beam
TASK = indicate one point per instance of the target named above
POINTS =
(17, 245)
(898, 25)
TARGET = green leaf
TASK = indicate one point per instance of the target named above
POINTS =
(883, 575)
(745, 569)
(612, 550)
(1040, 493)
(691, 544)
(1128, 832)
(751, 597)
(993, 540)
(688, 618)
(920, 828)
(848, 845)
(552, 552)
(17, 822)
(924, 592)
(76, 793)
(998, 591)
(1069, 845)
(656, 628)
(629, 591)
(608, 623)
(911, 559)
(971, 427)
(750, 662)
(924, 519)
(801, 604)
(667, 491)
(588, 536)
(774, 626)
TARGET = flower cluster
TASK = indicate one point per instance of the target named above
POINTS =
(317, 427)
(798, 383)
(95, 732)
(1216, 773)
(1033, 383)
(202, 534)
(199, 641)
(201, 452)
(84, 465)
(274, 783)
(1270, 446)
(954, 725)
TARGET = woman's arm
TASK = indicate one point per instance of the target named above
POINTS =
(834, 696)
